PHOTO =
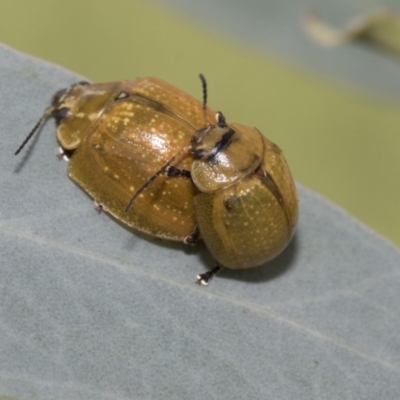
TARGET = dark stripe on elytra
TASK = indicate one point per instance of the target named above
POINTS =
(221, 145)
(273, 187)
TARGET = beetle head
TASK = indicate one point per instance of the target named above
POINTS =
(223, 153)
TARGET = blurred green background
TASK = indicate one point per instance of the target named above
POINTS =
(335, 113)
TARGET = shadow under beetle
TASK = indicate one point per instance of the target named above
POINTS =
(164, 163)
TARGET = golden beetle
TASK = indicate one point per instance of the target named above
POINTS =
(164, 163)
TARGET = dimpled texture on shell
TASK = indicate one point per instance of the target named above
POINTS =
(131, 140)
(251, 222)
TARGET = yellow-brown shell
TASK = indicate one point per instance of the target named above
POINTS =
(121, 134)
(250, 222)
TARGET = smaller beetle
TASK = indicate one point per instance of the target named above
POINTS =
(164, 163)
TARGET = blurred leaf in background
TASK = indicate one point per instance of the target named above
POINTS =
(380, 30)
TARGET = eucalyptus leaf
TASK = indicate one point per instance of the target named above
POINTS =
(380, 29)
(90, 310)
(275, 27)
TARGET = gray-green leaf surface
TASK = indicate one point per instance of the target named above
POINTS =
(89, 310)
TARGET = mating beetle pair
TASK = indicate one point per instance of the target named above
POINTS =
(164, 163)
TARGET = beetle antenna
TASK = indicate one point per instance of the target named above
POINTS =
(45, 115)
(151, 179)
(204, 85)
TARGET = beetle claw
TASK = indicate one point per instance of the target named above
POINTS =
(193, 238)
(63, 154)
(204, 279)
(99, 207)
(172, 171)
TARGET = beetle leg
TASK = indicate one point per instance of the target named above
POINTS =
(98, 207)
(64, 154)
(148, 182)
(204, 279)
(172, 171)
(192, 238)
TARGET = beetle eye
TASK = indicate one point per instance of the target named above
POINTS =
(199, 153)
(220, 120)
(122, 95)
(61, 113)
